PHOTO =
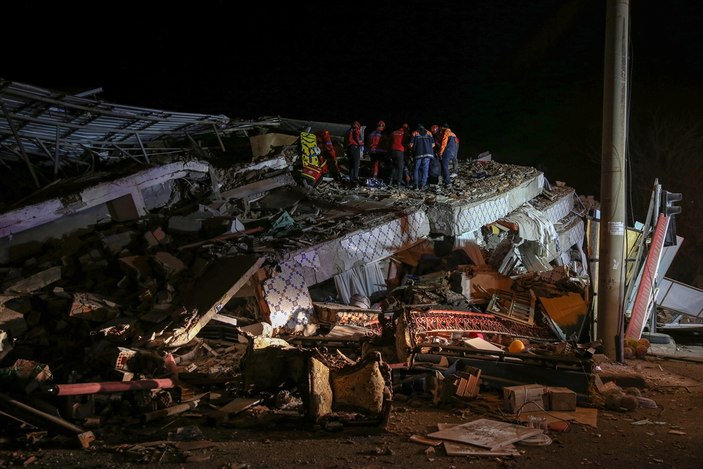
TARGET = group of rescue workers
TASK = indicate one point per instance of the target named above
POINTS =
(406, 156)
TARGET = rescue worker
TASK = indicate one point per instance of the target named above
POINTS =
(329, 154)
(436, 135)
(448, 149)
(399, 140)
(376, 146)
(422, 148)
(435, 163)
(354, 143)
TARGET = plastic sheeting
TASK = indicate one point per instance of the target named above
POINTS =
(533, 225)
(366, 280)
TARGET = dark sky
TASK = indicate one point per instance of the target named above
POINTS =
(522, 79)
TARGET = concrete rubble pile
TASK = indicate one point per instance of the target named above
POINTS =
(238, 293)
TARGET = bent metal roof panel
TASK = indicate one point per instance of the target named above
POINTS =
(59, 128)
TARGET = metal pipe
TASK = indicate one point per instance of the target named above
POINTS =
(107, 387)
(21, 411)
(611, 268)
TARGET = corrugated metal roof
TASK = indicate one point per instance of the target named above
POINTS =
(44, 123)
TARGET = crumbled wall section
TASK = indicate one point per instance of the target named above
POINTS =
(571, 232)
(383, 241)
(324, 261)
(560, 208)
(287, 290)
(455, 218)
(38, 214)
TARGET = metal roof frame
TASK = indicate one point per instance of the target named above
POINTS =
(40, 126)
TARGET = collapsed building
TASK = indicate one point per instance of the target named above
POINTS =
(181, 251)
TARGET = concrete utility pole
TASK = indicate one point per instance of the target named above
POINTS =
(611, 267)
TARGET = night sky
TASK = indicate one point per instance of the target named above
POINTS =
(521, 79)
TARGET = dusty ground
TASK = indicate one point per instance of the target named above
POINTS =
(669, 436)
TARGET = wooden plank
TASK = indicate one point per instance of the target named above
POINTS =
(425, 440)
(232, 408)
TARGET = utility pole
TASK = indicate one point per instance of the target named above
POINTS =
(611, 267)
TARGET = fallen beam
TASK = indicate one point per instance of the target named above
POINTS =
(212, 292)
(513, 372)
(39, 419)
(79, 389)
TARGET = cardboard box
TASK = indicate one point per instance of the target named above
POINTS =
(527, 398)
(561, 398)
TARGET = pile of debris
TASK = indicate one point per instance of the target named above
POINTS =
(233, 290)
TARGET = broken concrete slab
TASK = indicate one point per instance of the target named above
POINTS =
(92, 307)
(12, 321)
(137, 267)
(37, 281)
(261, 329)
(167, 264)
(116, 242)
(31, 216)
(211, 292)
(5, 345)
(455, 216)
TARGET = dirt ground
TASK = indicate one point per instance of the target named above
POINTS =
(668, 436)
